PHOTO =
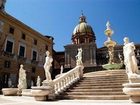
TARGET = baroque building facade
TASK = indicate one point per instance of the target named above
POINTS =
(20, 44)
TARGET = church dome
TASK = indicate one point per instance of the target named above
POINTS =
(83, 30)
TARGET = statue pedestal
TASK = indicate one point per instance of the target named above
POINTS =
(45, 92)
(133, 88)
(9, 91)
(40, 93)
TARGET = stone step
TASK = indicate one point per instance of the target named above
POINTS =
(100, 82)
(93, 93)
(95, 97)
(106, 80)
(94, 75)
(107, 72)
(95, 90)
(102, 77)
(97, 84)
(98, 87)
(101, 85)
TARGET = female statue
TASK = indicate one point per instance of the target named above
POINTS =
(47, 66)
(130, 60)
(22, 83)
(79, 57)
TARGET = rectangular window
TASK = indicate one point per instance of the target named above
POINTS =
(34, 55)
(7, 64)
(21, 51)
(23, 36)
(11, 30)
(9, 46)
(35, 42)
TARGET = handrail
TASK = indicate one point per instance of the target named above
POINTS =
(67, 79)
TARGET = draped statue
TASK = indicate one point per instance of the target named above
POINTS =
(22, 82)
(130, 60)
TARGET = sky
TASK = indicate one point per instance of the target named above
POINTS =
(58, 18)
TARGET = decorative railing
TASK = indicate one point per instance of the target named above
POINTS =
(67, 79)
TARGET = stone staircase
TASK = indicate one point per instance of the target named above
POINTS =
(101, 85)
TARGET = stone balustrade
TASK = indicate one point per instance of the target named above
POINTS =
(58, 85)
(67, 79)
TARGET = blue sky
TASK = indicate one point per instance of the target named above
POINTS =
(58, 18)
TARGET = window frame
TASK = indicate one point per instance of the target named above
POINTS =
(23, 45)
(36, 54)
(11, 40)
(23, 38)
(9, 31)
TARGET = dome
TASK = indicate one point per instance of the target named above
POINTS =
(83, 28)
(83, 32)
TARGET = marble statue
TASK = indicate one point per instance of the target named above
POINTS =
(79, 57)
(133, 87)
(130, 60)
(120, 58)
(9, 82)
(22, 83)
(38, 81)
(47, 66)
(62, 69)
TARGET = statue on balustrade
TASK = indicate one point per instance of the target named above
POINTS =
(79, 57)
(38, 83)
(47, 66)
(130, 60)
(61, 69)
(22, 82)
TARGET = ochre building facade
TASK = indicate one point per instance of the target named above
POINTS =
(20, 44)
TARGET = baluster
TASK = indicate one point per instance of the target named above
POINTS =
(69, 80)
(56, 88)
(62, 85)
(77, 75)
(74, 77)
(65, 83)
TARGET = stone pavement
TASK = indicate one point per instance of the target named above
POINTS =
(22, 100)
